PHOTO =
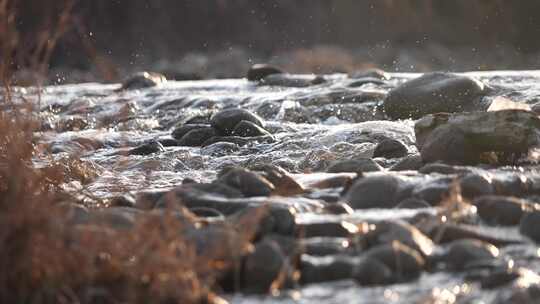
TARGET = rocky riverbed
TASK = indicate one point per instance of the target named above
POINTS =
(379, 188)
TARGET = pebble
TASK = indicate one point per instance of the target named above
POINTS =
(226, 120)
(248, 182)
(148, 148)
(409, 162)
(196, 137)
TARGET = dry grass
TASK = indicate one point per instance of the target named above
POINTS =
(45, 258)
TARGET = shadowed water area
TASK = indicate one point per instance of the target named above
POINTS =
(124, 136)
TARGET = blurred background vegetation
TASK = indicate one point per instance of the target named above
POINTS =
(119, 35)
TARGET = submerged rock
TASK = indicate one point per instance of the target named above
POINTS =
(463, 138)
(433, 93)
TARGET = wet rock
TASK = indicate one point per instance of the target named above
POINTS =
(207, 212)
(168, 142)
(442, 169)
(263, 266)
(433, 93)
(284, 183)
(409, 162)
(463, 138)
(183, 129)
(249, 129)
(226, 120)
(316, 270)
(354, 165)
(443, 233)
(197, 137)
(323, 246)
(434, 190)
(528, 294)
(143, 80)
(404, 262)
(529, 224)
(337, 208)
(413, 203)
(497, 277)
(500, 210)
(248, 182)
(460, 254)
(292, 81)
(371, 73)
(220, 149)
(390, 148)
(326, 229)
(211, 195)
(279, 220)
(385, 232)
(147, 148)
(375, 191)
(288, 245)
(371, 271)
(258, 72)
(473, 185)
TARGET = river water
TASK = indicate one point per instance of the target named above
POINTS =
(313, 126)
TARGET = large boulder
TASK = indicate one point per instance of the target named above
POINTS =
(433, 93)
(463, 138)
